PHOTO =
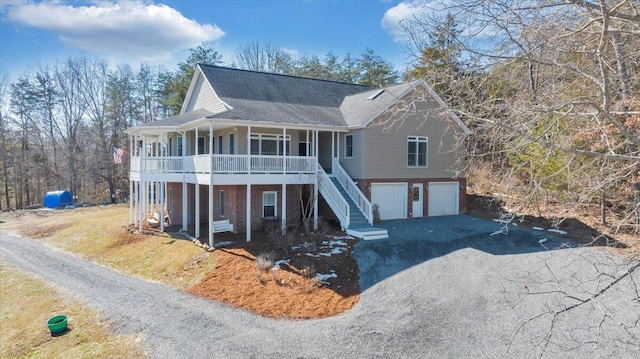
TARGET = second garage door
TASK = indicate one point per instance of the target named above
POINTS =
(391, 199)
(443, 198)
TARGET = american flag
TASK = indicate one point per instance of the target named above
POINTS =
(118, 153)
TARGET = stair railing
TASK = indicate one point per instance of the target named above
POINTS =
(352, 189)
(334, 198)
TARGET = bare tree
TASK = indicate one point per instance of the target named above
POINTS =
(539, 71)
(68, 75)
(263, 57)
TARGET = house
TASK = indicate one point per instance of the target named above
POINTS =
(249, 147)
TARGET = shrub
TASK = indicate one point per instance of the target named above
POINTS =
(265, 261)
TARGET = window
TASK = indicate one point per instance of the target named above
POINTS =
(269, 204)
(348, 146)
(202, 143)
(171, 147)
(180, 146)
(270, 145)
(221, 203)
(232, 144)
(417, 151)
(220, 144)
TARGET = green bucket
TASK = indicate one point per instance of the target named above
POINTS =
(57, 324)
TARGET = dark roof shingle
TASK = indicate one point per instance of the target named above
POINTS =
(231, 84)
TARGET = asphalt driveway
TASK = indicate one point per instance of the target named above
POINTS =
(438, 288)
(416, 241)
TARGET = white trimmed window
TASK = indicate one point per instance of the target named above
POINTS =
(220, 144)
(269, 204)
(417, 151)
(270, 145)
(348, 146)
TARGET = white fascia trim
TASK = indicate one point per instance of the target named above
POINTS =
(194, 79)
(196, 73)
(440, 101)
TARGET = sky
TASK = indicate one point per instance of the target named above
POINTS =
(161, 32)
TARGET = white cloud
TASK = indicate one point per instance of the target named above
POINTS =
(406, 10)
(127, 29)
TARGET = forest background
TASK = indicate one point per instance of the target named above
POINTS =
(549, 88)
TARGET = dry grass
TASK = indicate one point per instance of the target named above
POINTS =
(99, 234)
(229, 276)
(27, 304)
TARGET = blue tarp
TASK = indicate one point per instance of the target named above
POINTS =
(57, 199)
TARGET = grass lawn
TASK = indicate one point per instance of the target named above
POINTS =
(228, 275)
(26, 304)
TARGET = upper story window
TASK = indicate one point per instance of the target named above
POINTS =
(270, 145)
(348, 146)
(417, 151)
(232, 143)
(179, 146)
(220, 144)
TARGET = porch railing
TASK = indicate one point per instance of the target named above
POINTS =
(334, 198)
(226, 164)
(352, 189)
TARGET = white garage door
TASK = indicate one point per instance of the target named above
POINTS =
(391, 199)
(443, 198)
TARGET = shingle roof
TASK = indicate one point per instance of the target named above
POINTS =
(358, 109)
(278, 112)
(275, 98)
(178, 119)
(236, 84)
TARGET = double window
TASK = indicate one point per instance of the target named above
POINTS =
(270, 145)
(417, 150)
(269, 204)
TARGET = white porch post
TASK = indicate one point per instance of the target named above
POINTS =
(338, 146)
(333, 146)
(184, 205)
(284, 150)
(210, 215)
(248, 150)
(185, 194)
(195, 144)
(284, 209)
(315, 185)
(162, 194)
(141, 206)
(211, 185)
(248, 213)
(197, 212)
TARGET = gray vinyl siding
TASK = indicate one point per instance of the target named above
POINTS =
(353, 165)
(385, 142)
(204, 97)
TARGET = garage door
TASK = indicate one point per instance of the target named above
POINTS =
(443, 198)
(391, 199)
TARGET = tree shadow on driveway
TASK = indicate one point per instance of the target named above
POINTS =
(415, 241)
